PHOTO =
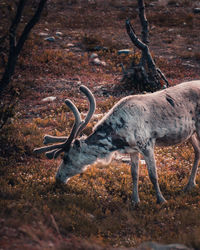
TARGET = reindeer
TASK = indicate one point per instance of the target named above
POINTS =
(134, 125)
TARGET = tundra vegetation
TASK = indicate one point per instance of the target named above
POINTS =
(95, 207)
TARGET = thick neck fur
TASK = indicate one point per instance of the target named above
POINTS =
(95, 147)
(98, 146)
(102, 143)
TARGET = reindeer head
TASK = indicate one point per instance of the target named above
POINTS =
(71, 147)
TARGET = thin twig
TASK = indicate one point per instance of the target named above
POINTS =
(56, 226)
(163, 77)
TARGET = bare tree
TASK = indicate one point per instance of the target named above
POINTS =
(16, 45)
(145, 74)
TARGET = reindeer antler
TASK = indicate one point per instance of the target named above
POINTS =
(92, 108)
(54, 150)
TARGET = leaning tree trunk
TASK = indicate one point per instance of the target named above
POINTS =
(144, 76)
(16, 47)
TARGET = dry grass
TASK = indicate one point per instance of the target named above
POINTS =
(96, 204)
(170, 19)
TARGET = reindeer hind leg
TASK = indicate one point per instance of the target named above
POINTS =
(196, 145)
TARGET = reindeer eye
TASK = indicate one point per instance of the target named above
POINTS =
(77, 143)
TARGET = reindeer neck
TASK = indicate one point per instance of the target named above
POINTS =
(104, 141)
(97, 146)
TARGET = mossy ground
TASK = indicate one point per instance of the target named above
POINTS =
(95, 205)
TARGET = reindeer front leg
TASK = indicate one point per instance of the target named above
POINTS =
(148, 154)
(135, 177)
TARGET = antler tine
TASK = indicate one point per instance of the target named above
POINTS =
(47, 148)
(76, 125)
(54, 150)
(92, 108)
(51, 139)
(53, 154)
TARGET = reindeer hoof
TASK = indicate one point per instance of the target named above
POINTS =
(135, 204)
(161, 200)
(189, 187)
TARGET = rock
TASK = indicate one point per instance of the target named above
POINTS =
(126, 158)
(43, 34)
(70, 45)
(76, 49)
(58, 33)
(93, 55)
(157, 246)
(188, 64)
(50, 39)
(151, 4)
(123, 157)
(98, 62)
(91, 216)
(76, 78)
(124, 51)
(98, 48)
(95, 60)
(49, 99)
(196, 10)
(173, 3)
(103, 63)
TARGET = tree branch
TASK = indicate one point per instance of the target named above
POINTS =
(14, 48)
(163, 77)
(29, 26)
(137, 42)
(143, 21)
(154, 74)
(14, 25)
(145, 28)
(140, 45)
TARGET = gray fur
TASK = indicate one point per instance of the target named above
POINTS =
(135, 125)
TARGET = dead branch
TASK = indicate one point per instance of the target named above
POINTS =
(146, 72)
(145, 28)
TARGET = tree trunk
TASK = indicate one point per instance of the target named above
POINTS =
(144, 76)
